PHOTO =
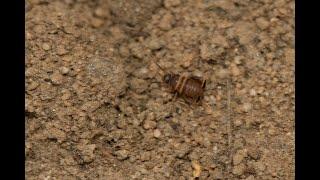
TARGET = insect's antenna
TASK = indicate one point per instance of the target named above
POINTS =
(212, 88)
(163, 71)
(159, 66)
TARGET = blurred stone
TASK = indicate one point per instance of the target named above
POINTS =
(156, 133)
(64, 70)
(56, 78)
(102, 12)
(122, 154)
(239, 156)
(46, 46)
(217, 173)
(171, 3)
(166, 22)
(238, 169)
(96, 22)
(149, 124)
(262, 23)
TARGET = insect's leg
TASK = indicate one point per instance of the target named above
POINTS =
(203, 81)
(191, 102)
(195, 100)
(203, 85)
(188, 100)
(175, 96)
(181, 83)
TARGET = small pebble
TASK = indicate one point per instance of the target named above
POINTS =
(198, 73)
(145, 156)
(124, 51)
(223, 73)
(181, 149)
(251, 177)
(139, 85)
(143, 170)
(137, 50)
(92, 38)
(166, 22)
(96, 22)
(149, 124)
(187, 58)
(239, 156)
(28, 36)
(61, 51)
(156, 133)
(151, 116)
(196, 169)
(274, 174)
(217, 173)
(122, 154)
(205, 52)
(252, 92)
(235, 70)
(272, 131)
(56, 78)
(155, 44)
(64, 70)
(254, 154)
(142, 73)
(33, 85)
(66, 95)
(171, 3)
(262, 23)
(259, 166)
(57, 134)
(69, 2)
(237, 60)
(67, 58)
(101, 12)
(260, 90)
(274, 20)
(46, 46)
(238, 169)
(238, 122)
(246, 107)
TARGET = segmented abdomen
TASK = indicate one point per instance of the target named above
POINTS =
(192, 88)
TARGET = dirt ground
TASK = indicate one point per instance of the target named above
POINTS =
(96, 107)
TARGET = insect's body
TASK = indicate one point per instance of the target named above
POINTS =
(191, 88)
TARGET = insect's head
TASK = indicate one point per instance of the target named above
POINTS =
(167, 78)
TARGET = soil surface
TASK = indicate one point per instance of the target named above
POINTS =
(96, 107)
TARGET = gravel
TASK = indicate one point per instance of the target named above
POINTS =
(96, 105)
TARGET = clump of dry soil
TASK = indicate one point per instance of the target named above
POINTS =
(96, 108)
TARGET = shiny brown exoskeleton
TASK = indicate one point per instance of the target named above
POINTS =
(191, 88)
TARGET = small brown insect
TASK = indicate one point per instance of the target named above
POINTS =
(191, 88)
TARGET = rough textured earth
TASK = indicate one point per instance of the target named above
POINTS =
(96, 107)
